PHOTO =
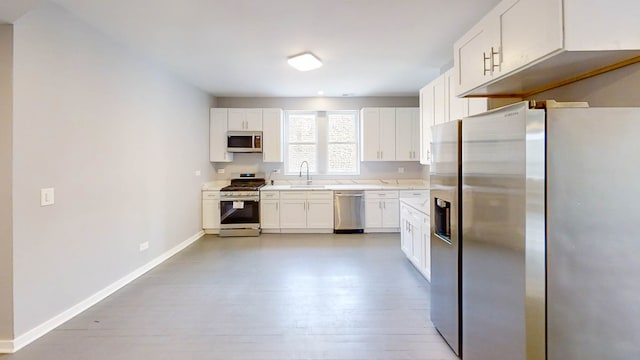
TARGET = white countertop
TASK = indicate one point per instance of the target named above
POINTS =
(419, 203)
(284, 185)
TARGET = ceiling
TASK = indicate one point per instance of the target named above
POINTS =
(239, 47)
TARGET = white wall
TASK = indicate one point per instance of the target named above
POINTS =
(615, 88)
(119, 138)
(368, 170)
(6, 241)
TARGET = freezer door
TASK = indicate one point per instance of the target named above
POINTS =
(494, 203)
(593, 200)
(445, 234)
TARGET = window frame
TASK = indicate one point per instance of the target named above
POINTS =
(322, 141)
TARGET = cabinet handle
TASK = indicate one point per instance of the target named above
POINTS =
(484, 64)
(277, 205)
(381, 155)
(384, 205)
(493, 62)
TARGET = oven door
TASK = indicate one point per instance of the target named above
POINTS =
(239, 213)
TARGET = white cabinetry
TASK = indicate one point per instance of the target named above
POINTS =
(522, 46)
(272, 135)
(378, 129)
(306, 211)
(211, 212)
(270, 211)
(218, 136)
(381, 211)
(426, 122)
(407, 134)
(415, 238)
(245, 120)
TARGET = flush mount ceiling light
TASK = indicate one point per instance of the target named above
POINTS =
(304, 62)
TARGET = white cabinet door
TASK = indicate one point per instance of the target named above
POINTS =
(458, 107)
(245, 120)
(218, 136)
(211, 210)
(272, 135)
(237, 119)
(372, 213)
(387, 134)
(211, 214)
(270, 214)
(426, 246)
(253, 119)
(472, 56)
(519, 19)
(293, 214)
(426, 122)
(320, 214)
(407, 134)
(440, 101)
(405, 234)
(390, 213)
(370, 138)
(416, 241)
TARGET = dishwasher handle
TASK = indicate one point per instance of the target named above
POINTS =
(348, 195)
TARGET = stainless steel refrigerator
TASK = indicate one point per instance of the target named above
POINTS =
(551, 236)
(445, 176)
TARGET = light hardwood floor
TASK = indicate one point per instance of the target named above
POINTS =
(269, 297)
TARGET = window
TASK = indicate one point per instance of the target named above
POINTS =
(328, 141)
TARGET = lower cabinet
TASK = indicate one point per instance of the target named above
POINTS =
(306, 211)
(211, 212)
(270, 211)
(381, 211)
(415, 238)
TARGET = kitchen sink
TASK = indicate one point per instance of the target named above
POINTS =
(307, 186)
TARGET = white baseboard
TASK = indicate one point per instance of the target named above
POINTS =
(8, 346)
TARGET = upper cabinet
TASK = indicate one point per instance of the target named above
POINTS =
(525, 46)
(378, 134)
(218, 136)
(245, 120)
(407, 134)
(272, 138)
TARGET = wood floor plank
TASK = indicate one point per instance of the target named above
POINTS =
(277, 296)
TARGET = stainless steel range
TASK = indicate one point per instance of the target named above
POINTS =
(240, 205)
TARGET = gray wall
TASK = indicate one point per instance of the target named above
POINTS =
(319, 103)
(615, 88)
(368, 170)
(6, 236)
(120, 139)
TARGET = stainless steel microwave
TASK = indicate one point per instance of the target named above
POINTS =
(244, 141)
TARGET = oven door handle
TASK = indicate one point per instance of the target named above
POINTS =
(240, 199)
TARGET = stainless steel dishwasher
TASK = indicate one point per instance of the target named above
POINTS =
(349, 211)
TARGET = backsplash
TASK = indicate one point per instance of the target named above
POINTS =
(368, 170)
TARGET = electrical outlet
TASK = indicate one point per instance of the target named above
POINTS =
(144, 246)
(277, 171)
(401, 170)
(197, 172)
(220, 171)
(47, 196)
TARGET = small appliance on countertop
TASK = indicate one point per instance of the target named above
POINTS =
(240, 205)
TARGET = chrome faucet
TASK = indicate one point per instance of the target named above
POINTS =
(300, 175)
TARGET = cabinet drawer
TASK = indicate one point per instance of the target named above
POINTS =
(320, 195)
(293, 195)
(413, 193)
(210, 195)
(267, 195)
(380, 195)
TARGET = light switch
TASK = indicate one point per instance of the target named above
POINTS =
(47, 196)
(220, 171)
(197, 172)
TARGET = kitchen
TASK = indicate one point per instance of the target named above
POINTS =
(123, 178)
